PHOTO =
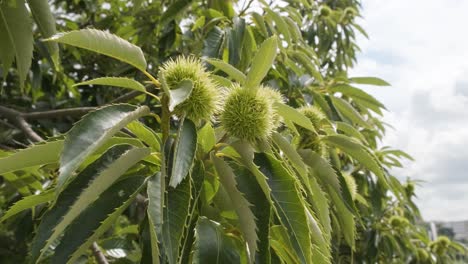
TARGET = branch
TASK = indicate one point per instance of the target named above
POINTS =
(100, 258)
(126, 97)
(242, 12)
(78, 111)
(18, 120)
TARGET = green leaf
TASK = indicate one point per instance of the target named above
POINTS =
(145, 134)
(349, 112)
(280, 24)
(173, 10)
(261, 207)
(40, 10)
(320, 204)
(350, 131)
(296, 34)
(83, 191)
(93, 130)
(281, 243)
(345, 218)
(260, 22)
(321, 250)
(154, 244)
(358, 152)
(235, 40)
(288, 203)
(122, 82)
(212, 43)
(175, 214)
(199, 23)
(291, 153)
(291, 114)
(104, 43)
(213, 246)
(180, 94)
(242, 206)
(321, 169)
(246, 153)
(361, 30)
(155, 192)
(96, 219)
(228, 69)
(357, 94)
(28, 202)
(262, 62)
(39, 154)
(397, 153)
(369, 81)
(49, 153)
(249, 48)
(17, 38)
(206, 137)
(184, 152)
(221, 81)
(307, 63)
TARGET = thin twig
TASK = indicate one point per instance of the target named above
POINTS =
(78, 112)
(245, 9)
(126, 97)
(18, 120)
(100, 258)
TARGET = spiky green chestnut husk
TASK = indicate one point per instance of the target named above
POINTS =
(249, 114)
(398, 221)
(324, 10)
(443, 241)
(439, 247)
(422, 255)
(310, 139)
(409, 189)
(204, 100)
(314, 114)
(350, 12)
(275, 97)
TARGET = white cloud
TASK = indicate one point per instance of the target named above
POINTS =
(420, 47)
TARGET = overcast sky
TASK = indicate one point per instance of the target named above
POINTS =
(421, 48)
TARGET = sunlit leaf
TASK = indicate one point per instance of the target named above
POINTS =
(39, 154)
(262, 62)
(104, 43)
(184, 152)
(176, 212)
(96, 219)
(180, 94)
(228, 69)
(242, 206)
(90, 133)
(358, 152)
(41, 12)
(83, 191)
(289, 113)
(17, 38)
(27, 203)
(349, 112)
(122, 82)
(288, 203)
(369, 81)
(214, 246)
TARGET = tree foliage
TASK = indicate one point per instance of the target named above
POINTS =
(242, 140)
